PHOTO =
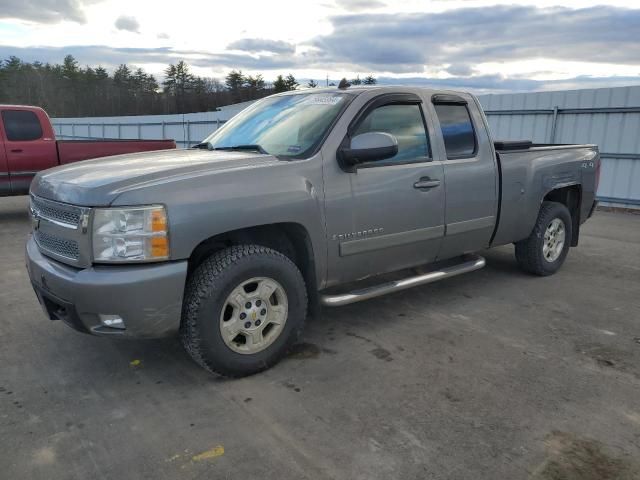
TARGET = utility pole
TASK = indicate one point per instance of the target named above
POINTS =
(327, 79)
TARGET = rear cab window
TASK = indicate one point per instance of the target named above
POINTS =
(457, 130)
(21, 125)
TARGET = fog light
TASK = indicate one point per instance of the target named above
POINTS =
(112, 321)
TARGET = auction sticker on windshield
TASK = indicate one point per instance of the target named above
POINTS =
(323, 100)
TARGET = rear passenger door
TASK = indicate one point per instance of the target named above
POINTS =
(470, 171)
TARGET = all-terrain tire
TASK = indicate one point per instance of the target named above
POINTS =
(207, 292)
(530, 251)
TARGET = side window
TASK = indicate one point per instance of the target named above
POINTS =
(403, 122)
(21, 125)
(457, 130)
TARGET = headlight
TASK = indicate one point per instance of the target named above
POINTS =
(135, 234)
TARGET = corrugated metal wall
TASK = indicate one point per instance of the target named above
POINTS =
(186, 130)
(608, 117)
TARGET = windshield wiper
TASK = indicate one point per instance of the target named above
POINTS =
(255, 147)
(209, 146)
(204, 145)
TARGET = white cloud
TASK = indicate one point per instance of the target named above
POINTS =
(360, 5)
(432, 39)
(44, 11)
(127, 23)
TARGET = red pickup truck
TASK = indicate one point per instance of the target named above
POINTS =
(28, 145)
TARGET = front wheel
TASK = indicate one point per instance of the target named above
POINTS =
(244, 307)
(545, 250)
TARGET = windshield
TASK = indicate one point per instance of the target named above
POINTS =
(289, 126)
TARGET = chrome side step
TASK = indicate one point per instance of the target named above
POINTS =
(472, 262)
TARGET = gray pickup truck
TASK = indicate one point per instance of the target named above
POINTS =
(308, 198)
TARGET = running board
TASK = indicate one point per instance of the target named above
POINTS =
(471, 263)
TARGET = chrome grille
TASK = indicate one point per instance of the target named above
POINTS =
(61, 231)
(59, 246)
(56, 212)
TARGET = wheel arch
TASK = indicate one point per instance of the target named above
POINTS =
(289, 238)
(571, 197)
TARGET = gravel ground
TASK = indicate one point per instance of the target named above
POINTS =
(490, 375)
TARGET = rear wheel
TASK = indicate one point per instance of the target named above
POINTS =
(545, 250)
(244, 307)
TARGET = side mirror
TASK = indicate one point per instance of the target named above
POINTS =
(369, 147)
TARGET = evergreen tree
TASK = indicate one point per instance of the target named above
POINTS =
(235, 81)
(169, 83)
(369, 80)
(66, 89)
(178, 85)
(279, 85)
(290, 82)
(70, 67)
(122, 83)
(70, 76)
(254, 86)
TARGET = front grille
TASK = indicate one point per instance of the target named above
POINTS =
(61, 213)
(59, 246)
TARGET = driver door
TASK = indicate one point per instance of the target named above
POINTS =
(388, 214)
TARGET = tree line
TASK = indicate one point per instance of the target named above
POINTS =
(69, 90)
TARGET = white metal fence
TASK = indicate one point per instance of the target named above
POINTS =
(186, 129)
(186, 133)
(608, 117)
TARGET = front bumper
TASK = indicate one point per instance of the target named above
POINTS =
(147, 297)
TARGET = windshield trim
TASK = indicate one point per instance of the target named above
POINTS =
(313, 150)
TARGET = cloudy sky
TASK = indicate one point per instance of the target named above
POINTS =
(483, 45)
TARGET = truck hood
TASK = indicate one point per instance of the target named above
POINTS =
(98, 182)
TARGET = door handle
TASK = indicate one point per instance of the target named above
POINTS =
(425, 183)
(16, 150)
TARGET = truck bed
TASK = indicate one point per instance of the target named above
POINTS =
(522, 163)
(503, 146)
(75, 150)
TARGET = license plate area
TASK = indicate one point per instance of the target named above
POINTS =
(58, 309)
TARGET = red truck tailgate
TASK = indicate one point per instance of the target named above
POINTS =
(75, 150)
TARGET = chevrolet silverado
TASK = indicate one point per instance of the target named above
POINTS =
(305, 199)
